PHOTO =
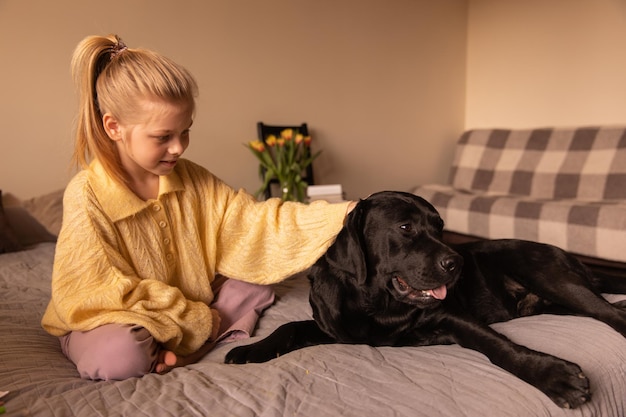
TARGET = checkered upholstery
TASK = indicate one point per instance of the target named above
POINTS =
(566, 187)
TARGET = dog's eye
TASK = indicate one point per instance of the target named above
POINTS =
(407, 227)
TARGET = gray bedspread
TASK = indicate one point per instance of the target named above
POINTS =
(333, 380)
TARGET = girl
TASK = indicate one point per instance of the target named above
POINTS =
(145, 232)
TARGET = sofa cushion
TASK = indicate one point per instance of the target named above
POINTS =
(582, 164)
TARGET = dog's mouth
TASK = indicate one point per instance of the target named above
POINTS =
(412, 294)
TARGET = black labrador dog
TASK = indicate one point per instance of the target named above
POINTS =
(388, 280)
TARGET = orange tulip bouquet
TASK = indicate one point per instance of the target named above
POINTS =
(284, 159)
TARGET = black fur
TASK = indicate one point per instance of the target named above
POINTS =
(381, 284)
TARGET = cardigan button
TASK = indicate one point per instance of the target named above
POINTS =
(156, 207)
(162, 224)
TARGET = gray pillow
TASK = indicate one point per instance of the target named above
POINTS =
(26, 228)
(8, 240)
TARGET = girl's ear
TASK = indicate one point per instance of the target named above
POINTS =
(112, 127)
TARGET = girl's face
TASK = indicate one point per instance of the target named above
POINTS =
(151, 146)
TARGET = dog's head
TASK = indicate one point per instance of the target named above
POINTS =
(393, 240)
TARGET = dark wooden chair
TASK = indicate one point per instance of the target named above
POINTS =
(264, 131)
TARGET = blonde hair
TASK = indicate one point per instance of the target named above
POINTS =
(112, 78)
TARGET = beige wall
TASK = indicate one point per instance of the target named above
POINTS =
(384, 85)
(546, 63)
(381, 83)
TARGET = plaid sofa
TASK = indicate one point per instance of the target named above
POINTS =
(566, 187)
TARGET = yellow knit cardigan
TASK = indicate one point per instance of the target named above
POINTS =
(120, 259)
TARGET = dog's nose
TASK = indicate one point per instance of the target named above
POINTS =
(451, 263)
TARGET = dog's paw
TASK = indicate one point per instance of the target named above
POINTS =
(565, 383)
(288, 337)
(254, 353)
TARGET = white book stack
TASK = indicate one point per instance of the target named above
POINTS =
(332, 193)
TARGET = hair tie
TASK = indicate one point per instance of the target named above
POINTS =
(118, 48)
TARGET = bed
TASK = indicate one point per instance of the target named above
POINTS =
(331, 380)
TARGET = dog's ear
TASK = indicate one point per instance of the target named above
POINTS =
(347, 252)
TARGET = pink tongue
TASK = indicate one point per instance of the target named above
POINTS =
(439, 293)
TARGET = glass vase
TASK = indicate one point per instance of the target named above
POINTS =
(293, 188)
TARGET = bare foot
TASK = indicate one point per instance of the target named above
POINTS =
(167, 360)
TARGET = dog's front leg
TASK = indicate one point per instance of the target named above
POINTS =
(288, 337)
(562, 381)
